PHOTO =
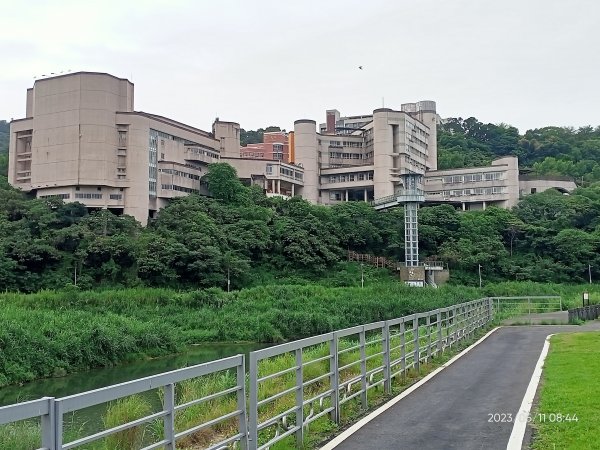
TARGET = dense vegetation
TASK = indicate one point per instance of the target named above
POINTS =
(4, 131)
(552, 151)
(198, 242)
(255, 136)
(38, 336)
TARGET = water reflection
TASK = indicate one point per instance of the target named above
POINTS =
(97, 378)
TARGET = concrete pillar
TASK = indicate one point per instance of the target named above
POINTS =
(293, 189)
(346, 194)
(484, 205)
(279, 186)
(306, 154)
(365, 194)
(464, 206)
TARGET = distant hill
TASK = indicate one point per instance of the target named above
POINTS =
(4, 128)
(566, 151)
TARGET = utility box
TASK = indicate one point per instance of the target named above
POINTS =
(413, 275)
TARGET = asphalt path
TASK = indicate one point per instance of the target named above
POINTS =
(472, 404)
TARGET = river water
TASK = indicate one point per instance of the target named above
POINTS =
(97, 378)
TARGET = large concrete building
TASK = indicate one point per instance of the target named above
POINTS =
(82, 140)
(368, 157)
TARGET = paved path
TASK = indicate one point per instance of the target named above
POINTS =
(551, 318)
(452, 410)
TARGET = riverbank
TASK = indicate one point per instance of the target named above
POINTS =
(52, 333)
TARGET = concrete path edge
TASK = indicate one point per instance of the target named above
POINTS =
(358, 425)
(515, 442)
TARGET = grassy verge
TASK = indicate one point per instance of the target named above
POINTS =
(568, 415)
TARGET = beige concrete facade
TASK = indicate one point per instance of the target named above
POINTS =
(82, 141)
(275, 177)
(364, 158)
(477, 187)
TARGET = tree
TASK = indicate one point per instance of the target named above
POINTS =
(223, 183)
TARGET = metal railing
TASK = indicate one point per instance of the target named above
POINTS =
(353, 361)
(42, 409)
(527, 305)
(52, 410)
(290, 385)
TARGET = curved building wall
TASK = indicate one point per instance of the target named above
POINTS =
(382, 153)
(306, 155)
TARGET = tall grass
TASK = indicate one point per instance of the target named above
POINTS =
(24, 435)
(52, 333)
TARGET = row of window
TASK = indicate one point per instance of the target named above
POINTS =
(88, 195)
(472, 177)
(289, 173)
(476, 191)
(179, 173)
(339, 155)
(414, 162)
(351, 144)
(343, 178)
(174, 187)
(62, 196)
(203, 152)
(83, 196)
(252, 155)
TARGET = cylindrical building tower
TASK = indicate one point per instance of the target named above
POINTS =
(306, 154)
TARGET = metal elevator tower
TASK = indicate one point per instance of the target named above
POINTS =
(411, 196)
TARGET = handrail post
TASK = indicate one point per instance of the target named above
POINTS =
(169, 419)
(48, 426)
(299, 399)
(428, 331)
(253, 400)
(439, 332)
(403, 350)
(363, 369)
(416, 357)
(334, 379)
(241, 402)
(58, 424)
(387, 370)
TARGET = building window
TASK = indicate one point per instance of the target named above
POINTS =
(533, 190)
(88, 196)
(335, 195)
(152, 162)
(61, 196)
(116, 196)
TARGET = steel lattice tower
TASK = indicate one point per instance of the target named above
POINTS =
(411, 197)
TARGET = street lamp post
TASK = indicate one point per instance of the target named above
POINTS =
(362, 276)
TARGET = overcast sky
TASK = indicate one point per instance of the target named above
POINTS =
(530, 63)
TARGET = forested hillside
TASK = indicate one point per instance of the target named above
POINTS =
(255, 136)
(196, 241)
(4, 130)
(546, 151)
